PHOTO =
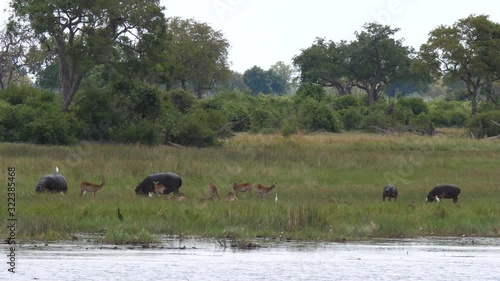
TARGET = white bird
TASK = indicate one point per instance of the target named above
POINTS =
(276, 198)
(57, 170)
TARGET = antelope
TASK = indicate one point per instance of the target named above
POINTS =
(264, 191)
(181, 197)
(230, 197)
(159, 188)
(212, 189)
(178, 197)
(90, 187)
(242, 187)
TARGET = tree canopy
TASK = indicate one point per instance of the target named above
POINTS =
(195, 55)
(374, 60)
(467, 51)
(82, 34)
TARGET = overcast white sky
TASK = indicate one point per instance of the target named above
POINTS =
(262, 32)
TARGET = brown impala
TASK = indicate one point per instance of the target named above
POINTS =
(90, 187)
(231, 197)
(242, 187)
(159, 188)
(212, 189)
(264, 191)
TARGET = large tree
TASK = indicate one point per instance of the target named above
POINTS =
(14, 58)
(280, 76)
(377, 59)
(324, 64)
(467, 51)
(257, 80)
(82, 34)
(196, 55)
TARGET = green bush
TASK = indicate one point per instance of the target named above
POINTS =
(183, 100)
(448, 118)
(199, 128)
(142, 132)
(422, 124)
(377, 119)
(312, 115)
(482, 125)
(417, 105)
(346, 102)
(34, 115)
(308, 90)
(52, 126)
(352, 118)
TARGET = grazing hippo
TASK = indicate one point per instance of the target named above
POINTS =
(52, 183)
(171, 181)
(390, 191)
(444, 191)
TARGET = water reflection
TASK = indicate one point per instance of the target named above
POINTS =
(204, 259)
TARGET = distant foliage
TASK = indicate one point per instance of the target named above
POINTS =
(135, 112)
(35, 116)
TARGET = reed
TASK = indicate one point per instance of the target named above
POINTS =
(330, 188)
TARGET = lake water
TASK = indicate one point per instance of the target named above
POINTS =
(205, 259)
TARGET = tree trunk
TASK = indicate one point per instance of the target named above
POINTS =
(70, 81)
(68, 73)
(474, 101)
(372, 95)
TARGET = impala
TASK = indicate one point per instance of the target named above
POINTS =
(242, 187)
(212, 189)
(181, 197)
(264, 191)
(159, 188)
(231, 197)
(90, 187)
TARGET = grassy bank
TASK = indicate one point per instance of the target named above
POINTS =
(329, 188)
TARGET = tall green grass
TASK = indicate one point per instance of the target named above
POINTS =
(329, 188)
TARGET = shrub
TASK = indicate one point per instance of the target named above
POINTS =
(313, 115)
(183, 100)
(417, 105)
(448, 118)
(199, 128)
(346, 102)
(422, 124)
(308, 90)
(482, 125)
(142, 131)
(377, 119)
(351, 118)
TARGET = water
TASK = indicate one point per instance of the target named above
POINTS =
(194, 259)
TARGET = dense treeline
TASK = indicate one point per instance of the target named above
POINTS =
(131, 112)
(119, 73)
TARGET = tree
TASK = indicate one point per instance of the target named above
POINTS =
(376, 59)
(14, 47)
(280, 75)
(197, 55)
(467, 51)
(257, 80)
(82, 34)
(324, 63)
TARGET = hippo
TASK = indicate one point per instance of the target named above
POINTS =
(52, 183)
(444, 191)
(390, 191)
(171, 181)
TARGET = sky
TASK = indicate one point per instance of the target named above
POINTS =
(263, 32)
